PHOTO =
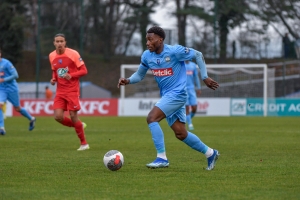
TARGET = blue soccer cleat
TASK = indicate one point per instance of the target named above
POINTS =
(32, 124)
(212, 160)
(2, 131)
(158, 163)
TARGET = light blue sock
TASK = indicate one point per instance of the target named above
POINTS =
(192, 114)
(195, 143)
(157, 137)
(188, 119)
(25, 113)
(1, 119)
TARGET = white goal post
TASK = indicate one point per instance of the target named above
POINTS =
(235, 80)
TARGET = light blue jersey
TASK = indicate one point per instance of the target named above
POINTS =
(192, 77)
(9, 73)
(168, 67)
(169, 72)
(9, 91)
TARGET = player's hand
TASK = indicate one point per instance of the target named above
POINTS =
(123, 81)
(211, 83)
(67, 76)
(1, 80)
(198, 92)
(53, 81)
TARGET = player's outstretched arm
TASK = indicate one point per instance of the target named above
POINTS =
(211, 83)
(135, 77)
(123, 81)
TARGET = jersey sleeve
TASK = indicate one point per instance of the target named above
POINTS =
(183, 53)
(141, 72)
(196, 77)
(51, 58)
(144, 62)
(77, 59)
(13, 74)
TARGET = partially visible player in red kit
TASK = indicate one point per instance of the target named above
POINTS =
(67, 67)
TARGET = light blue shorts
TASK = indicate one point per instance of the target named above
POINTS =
(192, 97)
(12, 97)
(173, 107)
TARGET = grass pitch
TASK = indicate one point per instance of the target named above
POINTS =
(260, 159)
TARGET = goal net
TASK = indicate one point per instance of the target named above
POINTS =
(235, 80)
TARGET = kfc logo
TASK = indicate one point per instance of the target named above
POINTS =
(162, 72)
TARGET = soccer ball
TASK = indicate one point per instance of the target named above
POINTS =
(113, 160)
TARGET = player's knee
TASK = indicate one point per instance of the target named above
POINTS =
(180, 135)
(58, 118)
(151, 118)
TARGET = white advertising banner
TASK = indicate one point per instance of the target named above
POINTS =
(206, 106)
(136, 106)
(213, 107)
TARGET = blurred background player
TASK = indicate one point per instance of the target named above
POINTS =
(9, 91)
(48, 93)
(4, 110)
(192, 79)
(67, 67)
(167, 65)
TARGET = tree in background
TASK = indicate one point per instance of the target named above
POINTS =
(230, 13)
(141, 16)
(181, 14)
(11, 29)
(287, 13)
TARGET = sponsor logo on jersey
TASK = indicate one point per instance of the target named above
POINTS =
(62, 71)
(162, 72)
(167, 59)
(189, 72)
(186, 50)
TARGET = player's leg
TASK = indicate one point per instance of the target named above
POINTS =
(3, 97)
(79, 129)
(4, 110)
(153, 119)
(2, 129)
(192, 102)
(191, 139)
(189, 118)
(165, 107)
(14, 98)
(193, 110)
(59, 106)
(73, 107)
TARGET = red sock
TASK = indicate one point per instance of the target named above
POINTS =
(67, 122)
(80, 132)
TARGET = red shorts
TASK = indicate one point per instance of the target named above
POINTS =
(66, 102)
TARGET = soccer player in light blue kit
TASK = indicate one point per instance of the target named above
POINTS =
(167, 65)
(9, 91)
(191, 81)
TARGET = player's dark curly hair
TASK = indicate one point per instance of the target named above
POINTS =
(158, 31)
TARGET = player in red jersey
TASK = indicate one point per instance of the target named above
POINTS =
(67, 67)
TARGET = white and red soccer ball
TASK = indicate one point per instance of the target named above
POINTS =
(113, 160)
